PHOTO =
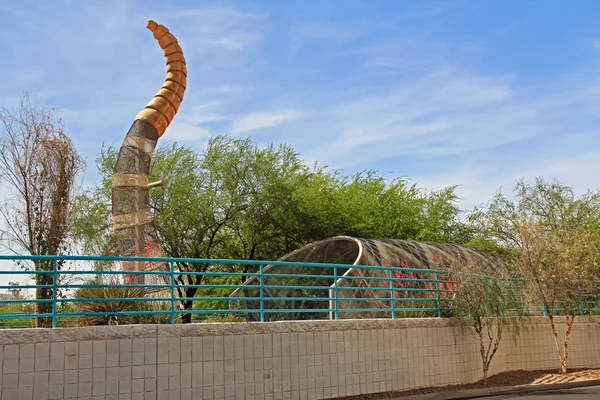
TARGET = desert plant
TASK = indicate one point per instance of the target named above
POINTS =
(487, 306)
(562, 268)
(107, 300)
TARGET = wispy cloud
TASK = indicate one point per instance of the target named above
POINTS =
(179, 131)
(399, 88)
(101, 66)
(479, 179)
(217, 27)
(205, 112)
(400, 54)
(192, 125)
(259, 120)
(446, 112)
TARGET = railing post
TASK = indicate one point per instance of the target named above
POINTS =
(437, 294)
(262, 295)
(335, 294)
(172, 287)
(54, 287)
(392, 295)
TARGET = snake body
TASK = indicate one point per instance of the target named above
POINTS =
(132, 216)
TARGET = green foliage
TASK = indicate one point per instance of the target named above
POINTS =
(551, 238)
(238, 200)
(92, 228)
(480, 298)
(215, 304)
(487, 306)
(562, 268)
(551, 204)
(16, 322)
(548, 234)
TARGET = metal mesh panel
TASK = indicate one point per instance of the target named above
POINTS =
(128, 199)
(132, 215)
(368, 293)
(286, 296)
(144, 129)
(132, 160)
(337, 252)
(417, 285)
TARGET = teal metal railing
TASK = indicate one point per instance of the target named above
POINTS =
(77, 293)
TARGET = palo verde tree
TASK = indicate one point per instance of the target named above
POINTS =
(551, 237)
(551, 204)
(561, 267)
(488, 306)
(39, 166)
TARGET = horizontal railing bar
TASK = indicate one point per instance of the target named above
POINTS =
(112, 286)
(123, 272)
(208, 261)
(400, 291)
(156, 299)
(26, 287)
(222, 298)
(110, 313)
(111, 300)
(32, 272)
(24, 301)
(216, 286)
(227, 274)
(387, 299)
(16, 316)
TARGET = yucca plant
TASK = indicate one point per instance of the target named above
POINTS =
(111, 298)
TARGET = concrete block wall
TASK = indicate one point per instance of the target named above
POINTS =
(279, 360)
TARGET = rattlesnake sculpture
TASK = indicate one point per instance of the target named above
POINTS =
(131, 212)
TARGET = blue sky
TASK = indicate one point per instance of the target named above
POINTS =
(474, 93)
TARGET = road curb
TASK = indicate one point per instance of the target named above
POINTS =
(501, 390)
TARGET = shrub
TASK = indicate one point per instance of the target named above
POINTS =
(119, 300)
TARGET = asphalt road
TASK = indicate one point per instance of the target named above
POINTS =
(585, 393)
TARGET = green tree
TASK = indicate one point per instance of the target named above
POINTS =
(551, 204)
(488, 305)
(238, 200)
(551, 237)
(561, 267)
(218, 204)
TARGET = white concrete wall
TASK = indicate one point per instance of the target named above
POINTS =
(281, 360)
